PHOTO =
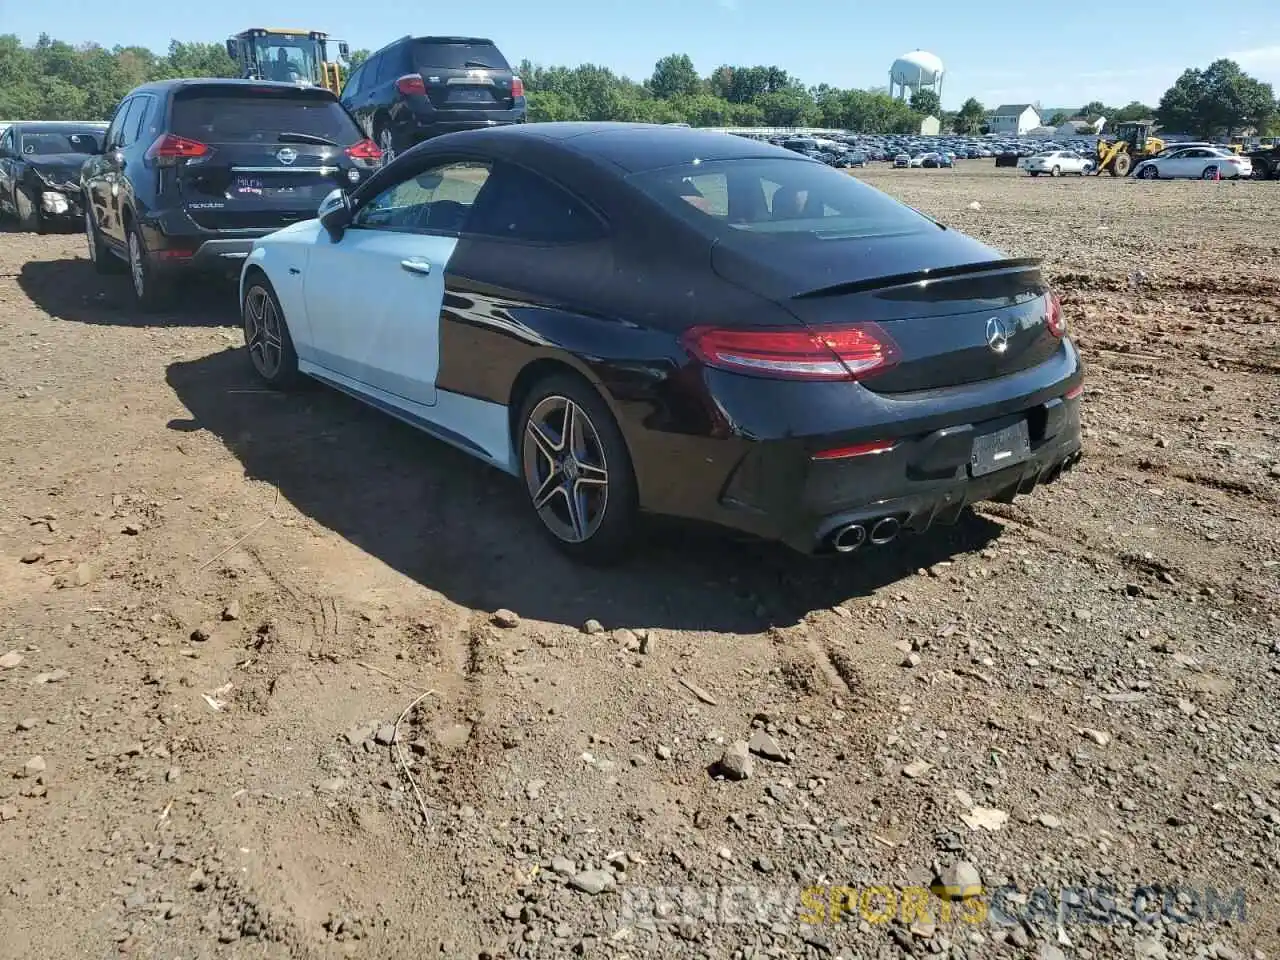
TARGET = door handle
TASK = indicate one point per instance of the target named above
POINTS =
(416, 266)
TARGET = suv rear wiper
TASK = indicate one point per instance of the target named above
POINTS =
(477, 63)
(306, 138)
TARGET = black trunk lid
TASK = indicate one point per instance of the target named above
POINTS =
(958, 311)
(463, 73)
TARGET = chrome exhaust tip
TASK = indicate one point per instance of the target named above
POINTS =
(850, 538)
(884, 531)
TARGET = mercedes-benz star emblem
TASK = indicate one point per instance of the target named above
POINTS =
(287, 155)
(998, 334)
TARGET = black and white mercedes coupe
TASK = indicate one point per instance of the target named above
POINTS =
(648, 319)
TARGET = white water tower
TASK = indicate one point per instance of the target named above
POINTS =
(917, 70)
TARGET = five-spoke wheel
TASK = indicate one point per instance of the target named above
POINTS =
(266, 334)
(577, 469)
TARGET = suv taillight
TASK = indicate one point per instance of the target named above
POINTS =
(1055, 319)
(364, 150)
(844, 352)
(169, 148)
(517, 87)
(411, 84)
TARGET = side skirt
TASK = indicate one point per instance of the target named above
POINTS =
(477, 427)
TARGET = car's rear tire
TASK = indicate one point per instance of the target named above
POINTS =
(581, 482)
(266, 335)
(29, 220)
(1210, 173)
(104, 261)
(1261, 171)
(1055, 172)
(1150, 173)
(151, 291)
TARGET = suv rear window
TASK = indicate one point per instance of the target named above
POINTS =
(448, 55)
(241, 116)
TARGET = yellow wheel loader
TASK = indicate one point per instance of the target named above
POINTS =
(294, 56)
(1132, 144)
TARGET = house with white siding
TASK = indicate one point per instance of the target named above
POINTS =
(1013, 119)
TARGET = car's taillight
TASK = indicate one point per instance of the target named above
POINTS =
(364, 150)
(517, 87)
(847, 352)
(410, 84)
(856, 450)
(170, 148)
(1055, 319)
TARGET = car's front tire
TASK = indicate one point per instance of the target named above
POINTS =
(104, 261)
(266, 335)
(29, 220)
(577, 470)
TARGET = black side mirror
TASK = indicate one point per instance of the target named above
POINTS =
(233, 48)
(335, 213)
(344, 51)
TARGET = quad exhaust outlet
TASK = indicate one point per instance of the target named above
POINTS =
(849, 538)
(884, 531)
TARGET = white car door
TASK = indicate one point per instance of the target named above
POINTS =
(1185, 163)
(374, 296)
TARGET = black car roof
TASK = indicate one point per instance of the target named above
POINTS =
(164, 86)
(636, 146)
(54, 126)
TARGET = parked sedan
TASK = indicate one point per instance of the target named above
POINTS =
(741, 338)
(1196, 163)
(1055, 163)
(40, 170)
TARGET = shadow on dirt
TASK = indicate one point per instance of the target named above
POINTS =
(72, 290)
(464, 530)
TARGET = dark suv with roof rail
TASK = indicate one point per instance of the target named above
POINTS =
(192, 171)
(418, 87)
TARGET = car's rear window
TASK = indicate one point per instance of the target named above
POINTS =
(457, 56)
(240, 117)
(778, 197)
(44, 143)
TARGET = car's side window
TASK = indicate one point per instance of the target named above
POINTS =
(353, 82)
(112, 139)
(517, 204)
(136, 125)
(438, 200)
(6, 143)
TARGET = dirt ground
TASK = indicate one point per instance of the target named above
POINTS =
(218, 604)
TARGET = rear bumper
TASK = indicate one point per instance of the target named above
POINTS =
(425, 121)
(761, 476)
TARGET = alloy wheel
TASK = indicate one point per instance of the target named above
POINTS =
(262, 332)
(136, 267)
(565, 469)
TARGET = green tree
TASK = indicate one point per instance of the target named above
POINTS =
(1131, 111)
(1220, 100)
(357, 57)
(674, 75)
(926, 103)
(970, 118)
(1094, 109)
(1058, 119)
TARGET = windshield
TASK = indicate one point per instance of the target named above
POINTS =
(291, 59)
(232, 116)
(778, 197)
(48, 144)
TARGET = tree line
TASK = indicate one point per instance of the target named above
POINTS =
(53, 80)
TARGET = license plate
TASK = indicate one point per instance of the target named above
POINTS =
(999, 449)
(470, 96)
(247, 186)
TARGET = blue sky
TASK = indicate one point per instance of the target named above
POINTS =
(999, 50)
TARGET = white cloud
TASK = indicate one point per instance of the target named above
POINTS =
(1258, 57)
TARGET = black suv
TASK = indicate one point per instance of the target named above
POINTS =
(193, 170)
(418, 87)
